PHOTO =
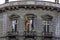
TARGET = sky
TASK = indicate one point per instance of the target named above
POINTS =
(3, 1)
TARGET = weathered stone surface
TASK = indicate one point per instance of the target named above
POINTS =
(5, 23)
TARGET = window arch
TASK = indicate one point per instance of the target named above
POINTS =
(29, 22)
(14, 18)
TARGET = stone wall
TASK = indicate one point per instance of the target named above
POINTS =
(5, 23)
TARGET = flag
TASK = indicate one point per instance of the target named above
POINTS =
(26, 22)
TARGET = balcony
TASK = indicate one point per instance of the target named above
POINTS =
(47, 34)
(30, 34)
(12, 34)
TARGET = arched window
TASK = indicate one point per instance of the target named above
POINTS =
(14, 19)
(46, 22)
(29, 22)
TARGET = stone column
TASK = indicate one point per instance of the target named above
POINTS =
(57, 28)
(4, 23)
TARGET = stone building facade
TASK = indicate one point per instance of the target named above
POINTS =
(34, 7)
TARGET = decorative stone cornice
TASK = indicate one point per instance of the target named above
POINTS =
(36, 5)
